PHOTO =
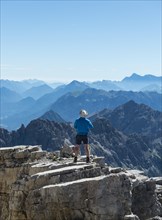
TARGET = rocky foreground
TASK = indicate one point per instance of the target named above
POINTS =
(36, 184)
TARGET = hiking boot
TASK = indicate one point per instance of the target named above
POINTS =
(75, 159)
(87, 160)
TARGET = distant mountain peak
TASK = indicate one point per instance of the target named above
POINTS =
(131, 102)
(134, 76)
(75, 82)
(52, 116)
(38, 91)
(137, 77)
(77, 85)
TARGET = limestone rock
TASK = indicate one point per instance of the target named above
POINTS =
(36, 185)
(100, 161)
(131, 217)
(144, 202)
(67, 149)
(92, 198)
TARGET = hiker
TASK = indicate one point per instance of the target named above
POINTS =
(82, 126)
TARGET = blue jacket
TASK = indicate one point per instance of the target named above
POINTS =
(82, 126)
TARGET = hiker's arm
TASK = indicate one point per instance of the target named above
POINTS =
(90, 124)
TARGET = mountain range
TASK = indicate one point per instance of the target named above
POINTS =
(128, 136)
(37, 92)
(94, 100)
(20, 86)
(135, 82)
(24, 101)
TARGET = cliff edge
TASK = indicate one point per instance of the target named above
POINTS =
(36, 184)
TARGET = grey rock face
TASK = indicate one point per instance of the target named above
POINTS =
(35, 184)
(92, 198)
(143, 192)
(131, 217)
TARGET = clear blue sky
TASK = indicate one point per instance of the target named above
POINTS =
(83, 40)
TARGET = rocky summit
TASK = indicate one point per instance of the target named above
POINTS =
(36, 184)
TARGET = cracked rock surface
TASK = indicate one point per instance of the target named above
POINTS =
(35, 184)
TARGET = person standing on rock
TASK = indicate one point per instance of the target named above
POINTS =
(82, 126)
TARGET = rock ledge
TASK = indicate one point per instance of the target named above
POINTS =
(35, 184)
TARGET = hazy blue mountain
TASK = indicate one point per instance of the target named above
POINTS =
(8, 109)
(68, 99)
(24, 104)
(16, 86)
(13, 122)
(73, 86)
(14, 109)
(9, 96)
(153, 88)
(38, 91)
(20, 86)
(146, 78)
(136, 82)
(94, 100)
(46, 100)
(39, 107)
(33, 82)
(106, 85)
(52, 116)
(68, 105)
